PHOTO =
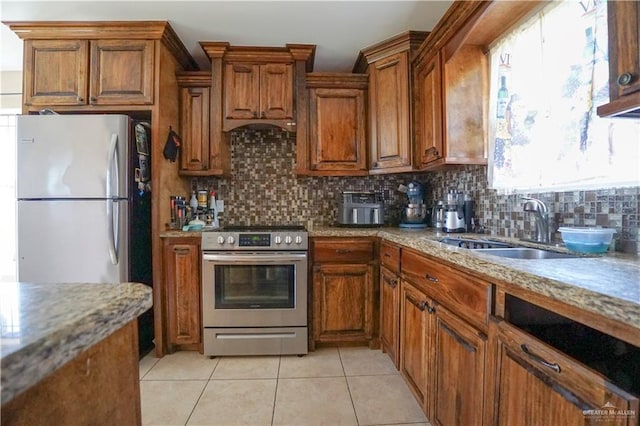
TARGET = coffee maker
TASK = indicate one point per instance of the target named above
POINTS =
(454, 218)
(414, 214)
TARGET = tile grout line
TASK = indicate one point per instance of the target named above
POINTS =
(355, 413)
(202, 392)
(275, 394)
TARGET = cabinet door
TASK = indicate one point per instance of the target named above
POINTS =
(390, 313)
(429, 135)
(414, 343)
(457, 385)
(241, 90)
(343, 303)
(390, 113)
(535, 384)
(182, 280)
(194, 125)
(276, 91)
(624, 48)
(337, 140)
(55, 72)
(122, 72)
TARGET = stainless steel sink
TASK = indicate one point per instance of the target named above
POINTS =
(472, 244)
(526, 253)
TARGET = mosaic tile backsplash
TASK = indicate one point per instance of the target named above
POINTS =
(264, 189)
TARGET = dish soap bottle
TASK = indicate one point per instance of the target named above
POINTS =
(193, 202)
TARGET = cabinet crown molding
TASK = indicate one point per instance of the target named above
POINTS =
(406, 41)
(261, 54)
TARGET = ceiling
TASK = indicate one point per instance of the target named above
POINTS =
(339, 29)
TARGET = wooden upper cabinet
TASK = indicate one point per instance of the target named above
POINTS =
(337, 142)
(103, 66)
(195, 87)
(276, 91)
(624, 60)
(258, 91)
(390, 113)
(428, 121)
(121, 72)
(258, 85)
(242, 91)
(55, 72)
(451, 108)
(118, 72)
(390, 101)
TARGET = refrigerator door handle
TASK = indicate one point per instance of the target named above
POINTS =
(112, 166)
(112, 229)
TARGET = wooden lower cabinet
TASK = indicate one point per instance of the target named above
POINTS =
(98, 387)
(182, 293)
(343, 303)
(532, 383)
(457, 370)
(414, 339)
(390, 313)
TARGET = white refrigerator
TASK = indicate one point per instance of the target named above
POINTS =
(73, 198)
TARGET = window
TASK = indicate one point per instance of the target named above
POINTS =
(547, 78)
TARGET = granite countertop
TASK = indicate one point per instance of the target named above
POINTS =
(608, 285)
(43, 326)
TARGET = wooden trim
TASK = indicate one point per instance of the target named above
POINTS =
(408, 40)
(337, 80)
(194, 78)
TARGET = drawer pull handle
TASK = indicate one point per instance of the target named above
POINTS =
(420, 305)
(387, 255)
(343, 251)
(555, 367)
(179, 250)
(431, 278)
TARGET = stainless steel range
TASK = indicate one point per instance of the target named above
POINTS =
(254, 291)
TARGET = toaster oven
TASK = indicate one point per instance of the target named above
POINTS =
(361, 208)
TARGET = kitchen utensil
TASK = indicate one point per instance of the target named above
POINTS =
(587, 240)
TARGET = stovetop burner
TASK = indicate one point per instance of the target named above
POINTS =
(262, 228)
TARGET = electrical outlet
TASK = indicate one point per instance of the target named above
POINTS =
(220, 206)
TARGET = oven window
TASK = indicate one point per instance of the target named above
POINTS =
(254, 286)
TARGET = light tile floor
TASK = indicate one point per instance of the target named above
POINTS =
(331, 386)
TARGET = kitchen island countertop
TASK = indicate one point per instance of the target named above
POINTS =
(43, 326)
(608, 285)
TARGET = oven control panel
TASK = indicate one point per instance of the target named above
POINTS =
(281, 240)
(254, 240)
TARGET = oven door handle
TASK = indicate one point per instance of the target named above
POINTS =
(254, 259)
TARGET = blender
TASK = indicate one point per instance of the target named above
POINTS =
(415, 211)
(454, 212)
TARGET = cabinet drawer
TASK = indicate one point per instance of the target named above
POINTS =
(343, 250)
(390, 256)
(467, 296)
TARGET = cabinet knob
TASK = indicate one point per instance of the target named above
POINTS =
(263, 115)
(625, 79)
(255, 114)
(431, 309)
(93, 99)
(80, 99)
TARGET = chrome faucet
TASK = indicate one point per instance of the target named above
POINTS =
(541, 214)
